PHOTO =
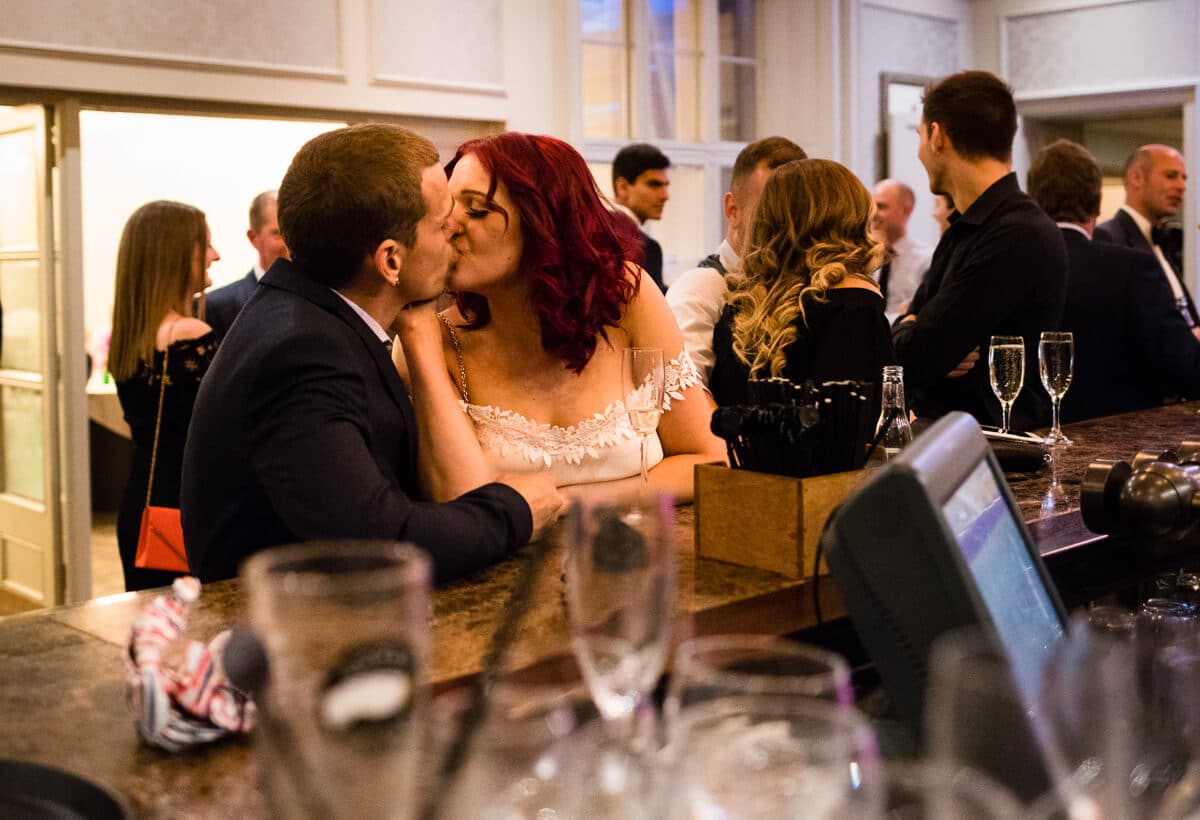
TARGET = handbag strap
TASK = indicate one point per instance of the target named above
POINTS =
(162, 389)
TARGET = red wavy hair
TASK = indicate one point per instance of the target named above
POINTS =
(575, 249)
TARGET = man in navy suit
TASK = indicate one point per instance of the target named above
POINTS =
(223, 304)
(1132, 346)
(302, 429)
(1155, 184)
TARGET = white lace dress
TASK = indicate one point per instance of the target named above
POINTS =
(602, 447)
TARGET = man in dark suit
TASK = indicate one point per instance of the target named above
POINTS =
(1155, 184)
(999, 269)
(223, 304)
(1132, 346)
(640, 183)
(302, 428)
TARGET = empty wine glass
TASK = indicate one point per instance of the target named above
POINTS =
(1056, 358)
(643, 380)
(1006, 366)
(752, 757)
(620, 595)
(761, 665)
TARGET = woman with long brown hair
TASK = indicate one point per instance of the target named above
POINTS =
(804, 305)
(162, 263)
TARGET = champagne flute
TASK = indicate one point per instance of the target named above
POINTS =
(620, 596)
(1006, 366)
(643, 380)
(1056, 356)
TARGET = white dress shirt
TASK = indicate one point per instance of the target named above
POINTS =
(697, 298)
(910, 260)
(1168, 272)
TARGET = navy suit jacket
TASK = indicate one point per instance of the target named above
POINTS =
(222, 305)
(302, 430)
(1132, 346)
(1122, 230)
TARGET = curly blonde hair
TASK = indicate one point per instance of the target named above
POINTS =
(809, 234)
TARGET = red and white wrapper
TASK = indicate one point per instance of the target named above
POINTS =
(175, 708)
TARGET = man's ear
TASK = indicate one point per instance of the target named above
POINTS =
(937, 137)
(731, 213)
(389, 259)
(620, 188)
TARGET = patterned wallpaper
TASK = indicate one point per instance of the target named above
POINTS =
(287, 34)
(1092, 47)
(447, 42)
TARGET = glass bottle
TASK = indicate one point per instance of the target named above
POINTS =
(894, 412)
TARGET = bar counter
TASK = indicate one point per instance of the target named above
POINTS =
(62, 702)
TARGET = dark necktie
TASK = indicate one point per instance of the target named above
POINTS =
(884, 273)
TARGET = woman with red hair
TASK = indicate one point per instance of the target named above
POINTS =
(546, 302)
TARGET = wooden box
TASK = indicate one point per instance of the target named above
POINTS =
(766, 521)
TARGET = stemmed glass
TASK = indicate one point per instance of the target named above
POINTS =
(620, 595)
(1056, 357)
(643, 380)
(1006, 366)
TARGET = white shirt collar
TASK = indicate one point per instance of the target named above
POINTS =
(375, 327)
(259, 271)
(1143, 224)
(728, 256)
(1071, 226)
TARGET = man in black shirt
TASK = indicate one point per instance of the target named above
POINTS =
(1000, 269)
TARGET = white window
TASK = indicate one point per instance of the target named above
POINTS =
(683, 75)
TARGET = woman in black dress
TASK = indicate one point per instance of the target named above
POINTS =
(162, 263)
(804, 305)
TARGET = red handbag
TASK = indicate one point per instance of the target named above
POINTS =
(160, 540)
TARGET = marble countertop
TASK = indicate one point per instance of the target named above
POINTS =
(62, 702)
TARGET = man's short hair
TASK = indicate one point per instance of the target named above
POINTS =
(976, 111)
(1065, 180)
(770, 151)
(348, 190)
(634, 160)
(258, 209)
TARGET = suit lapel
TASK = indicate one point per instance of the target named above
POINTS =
(1133, 235)
(290, 277)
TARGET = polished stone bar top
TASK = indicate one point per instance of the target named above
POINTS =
(62, 702)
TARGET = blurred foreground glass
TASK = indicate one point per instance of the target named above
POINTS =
(524, 762)
(976, 716)
(719, 666)
(345, 629)
(756, 757)
(1056, 361)
(621, 597)
(928, 791)
(1006, 368)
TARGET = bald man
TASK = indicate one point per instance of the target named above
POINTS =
(907, 260)
(1155, 184)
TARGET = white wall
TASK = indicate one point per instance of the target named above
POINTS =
(216, 164)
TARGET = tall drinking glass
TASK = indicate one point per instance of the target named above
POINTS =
(620, 596)
(643, 381)
(1056, 358)
(344, 626)
(1006, 366)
